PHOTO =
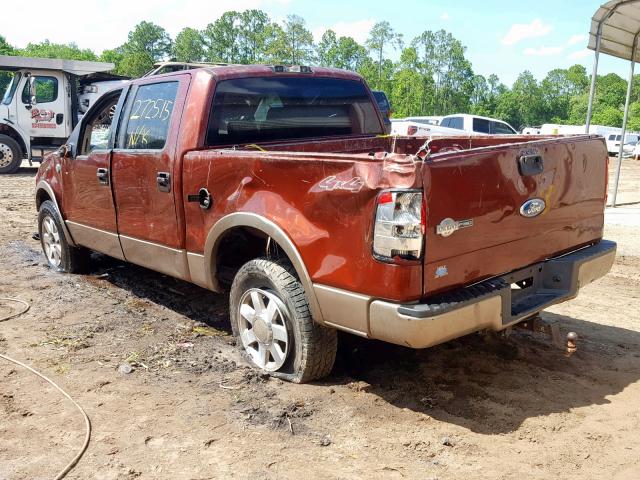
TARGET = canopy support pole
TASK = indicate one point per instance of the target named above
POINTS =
(625, 118)
(594, 74)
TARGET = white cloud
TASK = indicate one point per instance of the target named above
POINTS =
(100, 24)
(580, 54)
(543, 51)
(358, 30)
(521, 31)
(444, 16)
(576, 39)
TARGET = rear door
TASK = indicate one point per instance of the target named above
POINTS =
(144, 184)
(495, 209)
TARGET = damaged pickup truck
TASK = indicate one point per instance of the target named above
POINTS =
(277, 185)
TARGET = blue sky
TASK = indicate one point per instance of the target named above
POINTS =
(502, 37)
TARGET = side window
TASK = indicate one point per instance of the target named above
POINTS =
(445, 122)
(500, 128)
(46, 90)
(97, 126)
(481, 125)
(456, 122)
(148, 117)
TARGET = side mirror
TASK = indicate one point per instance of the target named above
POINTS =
(66, 151)
(32, 90)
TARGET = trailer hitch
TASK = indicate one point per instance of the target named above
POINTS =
(552, 329)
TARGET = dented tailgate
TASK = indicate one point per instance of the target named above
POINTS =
(495, 209)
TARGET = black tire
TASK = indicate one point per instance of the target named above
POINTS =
(71, 259)
(312, 347)
(9, 146)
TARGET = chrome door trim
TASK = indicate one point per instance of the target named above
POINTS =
(96, 239)
(155, 256)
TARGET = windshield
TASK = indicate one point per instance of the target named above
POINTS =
(11, 89)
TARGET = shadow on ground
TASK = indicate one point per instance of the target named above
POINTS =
(487, 384)
(491, 385)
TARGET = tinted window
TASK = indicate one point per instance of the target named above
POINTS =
(149, 116)
(445, 122)
(382, 101)
(500, 128)
(481, 125)
(456, 122)
(46, 90)
(249, 110)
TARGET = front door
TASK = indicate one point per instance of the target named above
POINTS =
(87, 201)
(48, 117)
(144, 180)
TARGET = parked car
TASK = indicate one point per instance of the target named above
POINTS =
(427, 120)
(422, 128)
(613, 143)
(477, 124)
(275, 185)
(385, 108)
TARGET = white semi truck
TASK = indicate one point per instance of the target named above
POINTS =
(41, 105)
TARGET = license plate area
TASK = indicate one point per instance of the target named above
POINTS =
(528, 292)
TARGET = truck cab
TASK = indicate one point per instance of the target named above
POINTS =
(39, 108)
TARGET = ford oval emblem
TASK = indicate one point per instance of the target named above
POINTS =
(532, 208)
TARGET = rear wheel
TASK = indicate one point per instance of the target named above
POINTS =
(10, 155)
(271, 321)
(60, 256)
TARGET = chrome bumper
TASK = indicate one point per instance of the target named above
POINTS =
(492, 304)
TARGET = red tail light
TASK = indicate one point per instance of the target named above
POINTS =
(412, 130)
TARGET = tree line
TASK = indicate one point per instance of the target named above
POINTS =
(431, 75)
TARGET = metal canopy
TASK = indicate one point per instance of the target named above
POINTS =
(75, 67)
(615, 28)
(620, 23)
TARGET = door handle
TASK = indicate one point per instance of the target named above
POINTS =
(103, 176)
(164, 181)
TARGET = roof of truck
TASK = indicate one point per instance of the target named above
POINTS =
(75, 67)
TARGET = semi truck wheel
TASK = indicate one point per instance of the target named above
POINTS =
(271, 321)
(60, 256)
(10, 155)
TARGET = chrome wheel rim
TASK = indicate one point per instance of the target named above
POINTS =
(263, 327)
(51, 242)
(6, 155)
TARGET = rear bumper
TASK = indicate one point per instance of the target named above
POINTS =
(492, 304)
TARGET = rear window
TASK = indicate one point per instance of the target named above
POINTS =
(454, 122)
(260, 109)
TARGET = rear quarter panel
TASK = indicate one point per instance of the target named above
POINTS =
(325, 204)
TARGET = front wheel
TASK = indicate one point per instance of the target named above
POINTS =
(10, 155)
(271, 321)
(60, 256)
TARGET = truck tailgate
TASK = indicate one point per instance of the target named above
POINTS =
(476, 196)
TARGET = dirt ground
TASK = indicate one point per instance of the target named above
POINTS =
(512, 408)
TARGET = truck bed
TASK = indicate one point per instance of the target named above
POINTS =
(470, 179)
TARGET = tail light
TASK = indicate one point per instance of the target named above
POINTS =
(412, 130)
(400, 225)
(606, 182)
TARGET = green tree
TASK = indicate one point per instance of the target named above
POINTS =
(253, 35)
(296, 40)
(5, 77)
(408, 86)
(47, 49)
(327, 49)
(147, 44)
(114, 56)
(221, 39)
(382, 36)
(188, 46)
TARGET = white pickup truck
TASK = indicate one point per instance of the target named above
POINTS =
(41, 105)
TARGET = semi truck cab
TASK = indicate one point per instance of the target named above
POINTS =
(40, 106)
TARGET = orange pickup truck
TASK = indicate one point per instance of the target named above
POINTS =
(277, 184)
